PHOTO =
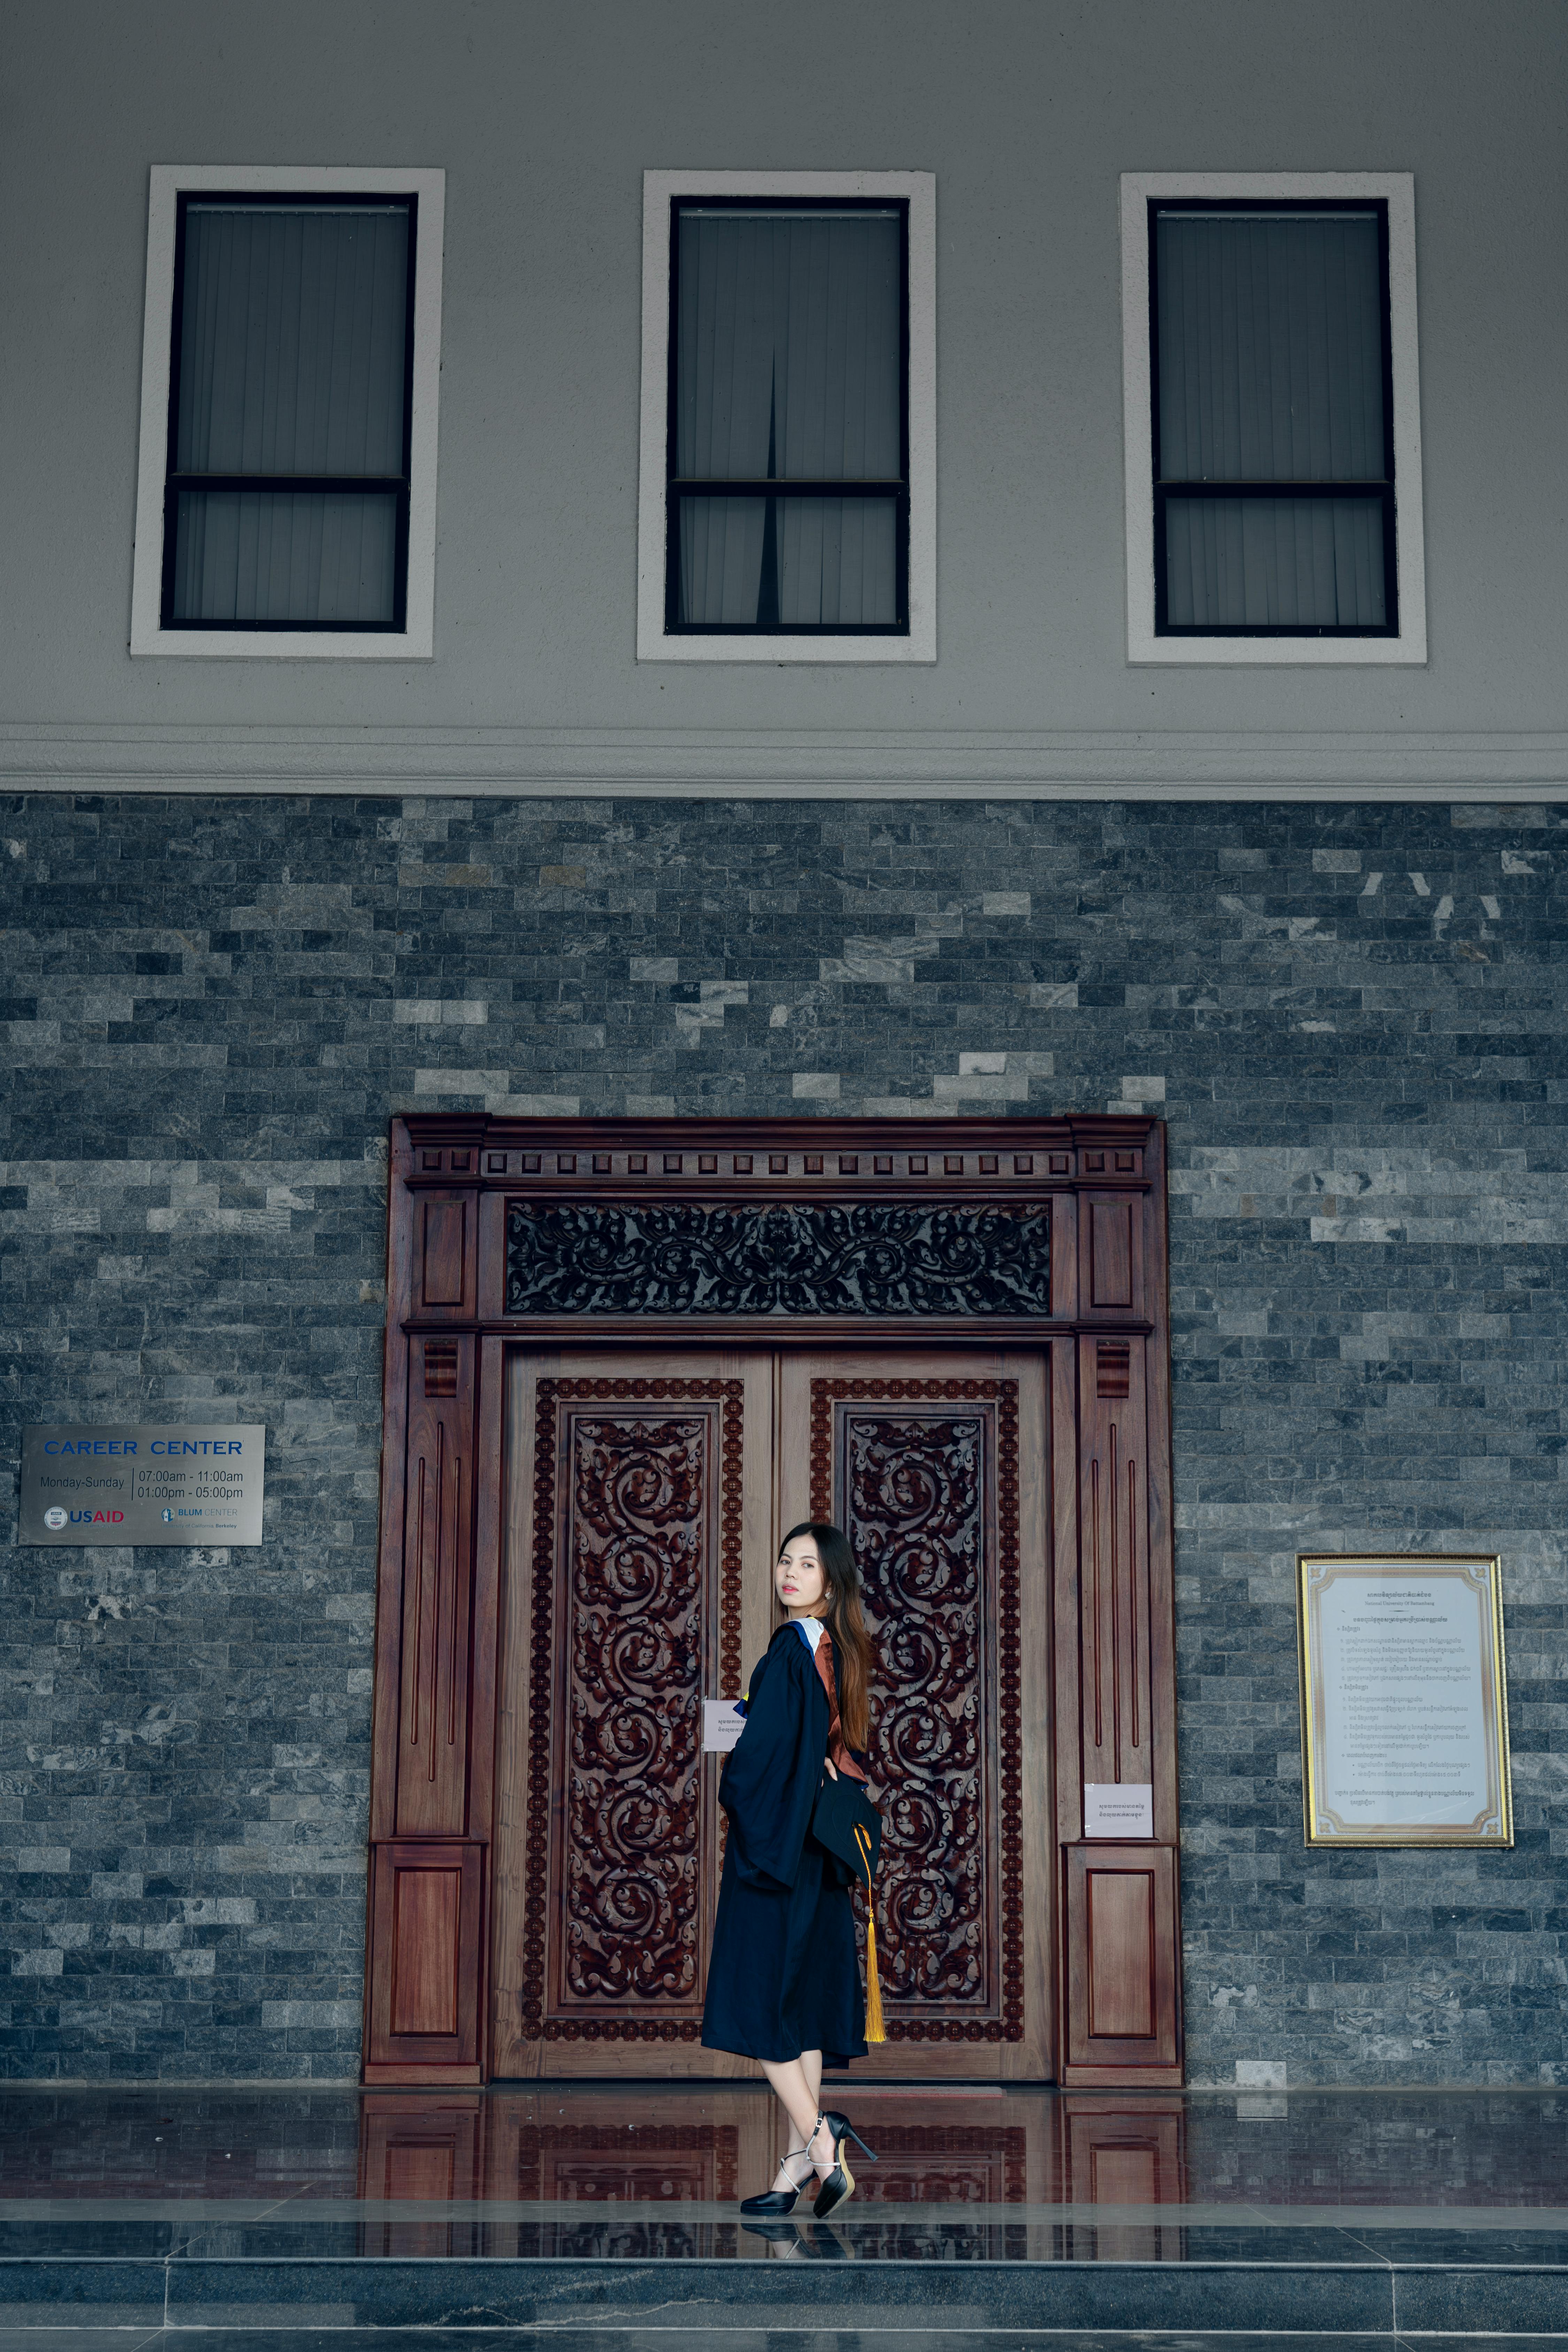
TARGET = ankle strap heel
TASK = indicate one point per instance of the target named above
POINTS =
(842, 2128)
(774, 2204)
(839, 2185)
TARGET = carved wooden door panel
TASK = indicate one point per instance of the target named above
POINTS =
(935, 1465)
(650, 1489)
(641, 1487)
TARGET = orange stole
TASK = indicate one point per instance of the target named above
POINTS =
(839, 1754)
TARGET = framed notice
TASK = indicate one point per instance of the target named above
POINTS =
(1404, 1701)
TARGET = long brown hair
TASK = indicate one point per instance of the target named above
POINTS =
(842, 1616)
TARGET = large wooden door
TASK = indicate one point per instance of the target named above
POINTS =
(650, 1490)
(935, 1464)
(621, 1360)
(641, 1506)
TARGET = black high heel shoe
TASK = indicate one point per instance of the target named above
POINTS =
(774, 2203)
(839, 2185)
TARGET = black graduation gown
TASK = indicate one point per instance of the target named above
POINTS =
(783, 1975)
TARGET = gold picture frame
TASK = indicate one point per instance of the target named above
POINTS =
(1404, 1699)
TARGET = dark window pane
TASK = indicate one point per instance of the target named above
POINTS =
(303, 556)
(1266, 563)
(837, 563)
(789, 564)
(789, 346)
(722, 559)
(293, 326)
(1270, 347)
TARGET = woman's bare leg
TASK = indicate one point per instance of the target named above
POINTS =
(797, 2085)
(810, 2064)
(792, 2088)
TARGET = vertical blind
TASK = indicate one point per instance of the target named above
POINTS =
(293, 332)
(1271, 361)
(788, 368)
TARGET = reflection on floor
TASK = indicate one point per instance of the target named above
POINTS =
(643, 2142)
(653, 2172)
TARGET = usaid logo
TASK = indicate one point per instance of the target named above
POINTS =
(54, 1517)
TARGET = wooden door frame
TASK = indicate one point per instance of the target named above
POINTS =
(1117, 1957)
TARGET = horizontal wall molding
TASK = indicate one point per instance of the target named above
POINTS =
(771, 763)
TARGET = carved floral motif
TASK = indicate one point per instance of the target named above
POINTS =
(635, 1571)
(914, 1511)
(859, 1257)
(916, 1507)
(634, 1607)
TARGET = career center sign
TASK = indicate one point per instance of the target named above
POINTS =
(166, 1483)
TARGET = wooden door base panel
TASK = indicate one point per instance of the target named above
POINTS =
(1121, 2078)
(428, 2078)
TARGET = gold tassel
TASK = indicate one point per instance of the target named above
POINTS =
(875, 2030)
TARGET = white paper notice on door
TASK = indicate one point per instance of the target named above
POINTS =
(1118, 1808)
(721, 1724)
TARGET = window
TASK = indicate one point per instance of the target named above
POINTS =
(1273, 443)
(285, 501)
(787, 496)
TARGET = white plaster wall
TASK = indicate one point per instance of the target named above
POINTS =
(544, 118)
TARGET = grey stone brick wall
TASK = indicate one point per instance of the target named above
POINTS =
(1353, 1022)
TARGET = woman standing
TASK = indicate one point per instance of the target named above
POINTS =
(783, 1979)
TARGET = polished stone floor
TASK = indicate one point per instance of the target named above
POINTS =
(941, 2338)
(602, 2214)
(678, 2155)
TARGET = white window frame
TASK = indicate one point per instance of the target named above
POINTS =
(1397, 189)
(415, 640)
(654, 642)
